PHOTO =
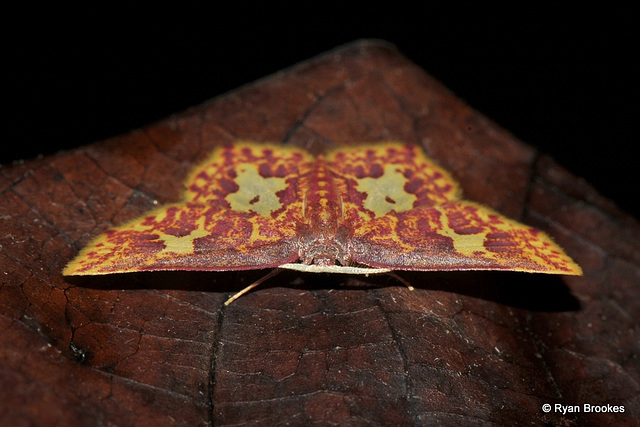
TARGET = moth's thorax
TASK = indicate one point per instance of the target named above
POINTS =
(322, 236)
(322, 204)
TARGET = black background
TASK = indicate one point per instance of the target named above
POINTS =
(560, 79)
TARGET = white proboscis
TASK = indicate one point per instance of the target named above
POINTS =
(340, 269)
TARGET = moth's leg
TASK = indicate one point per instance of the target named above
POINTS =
(253, 285)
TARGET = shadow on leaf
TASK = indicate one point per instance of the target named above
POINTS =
(536, 292)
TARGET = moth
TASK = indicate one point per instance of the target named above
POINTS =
(364, 209)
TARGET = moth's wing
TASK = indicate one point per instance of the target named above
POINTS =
(239, 212)
(458, 236)
(376, 179)
(188, 237)
(405, 212)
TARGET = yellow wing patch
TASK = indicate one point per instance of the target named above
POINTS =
(386, 193)
(182, 245)
(255, 192)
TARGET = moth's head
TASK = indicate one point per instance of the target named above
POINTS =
(319, 250)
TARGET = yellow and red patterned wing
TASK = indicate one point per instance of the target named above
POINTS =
(239, 212)
(406, 213)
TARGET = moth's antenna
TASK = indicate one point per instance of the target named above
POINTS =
(253, 285)
(400, 279)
